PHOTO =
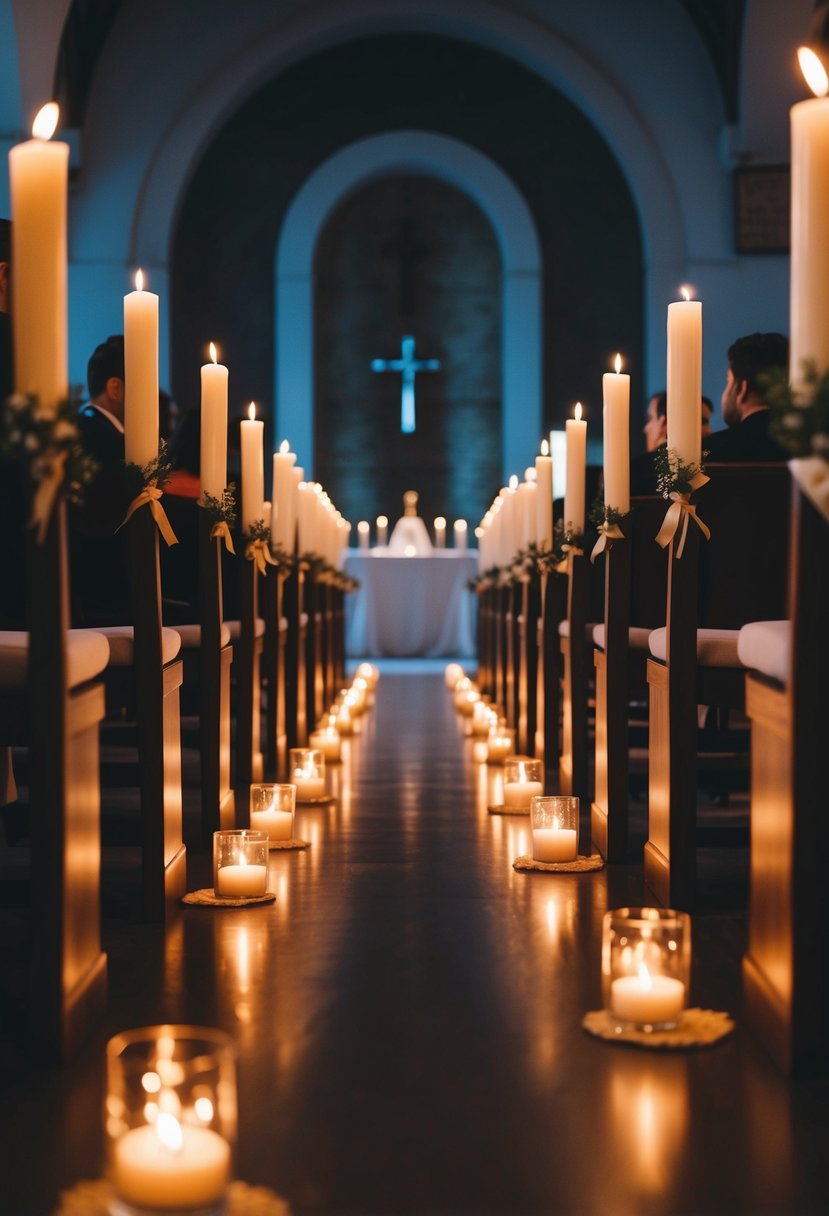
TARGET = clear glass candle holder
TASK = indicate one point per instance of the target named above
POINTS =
(240, 863)
(272, 810)
(451, 674)
(306, 770)
(327, 741)
(367, 671)
(523, 780)
(170, 1120)
(500, 743)
(481, 719)
(646, 966)
(555, 827)
(461, 688)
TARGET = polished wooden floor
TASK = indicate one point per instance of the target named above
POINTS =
(408, 1014)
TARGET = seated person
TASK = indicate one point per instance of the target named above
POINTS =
(655, 430)
(745, 411)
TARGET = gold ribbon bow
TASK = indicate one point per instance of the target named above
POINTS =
(607, 533)
(257, 551)
(220, 529)
(43, 500)
(150, 496)
(679, 512)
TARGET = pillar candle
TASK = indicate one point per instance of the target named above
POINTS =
(544, 497)
(527, 494)
(809, 327)
(684, 378)
(382, 530)
(140, 374)
(283, 524)
(460, 533)
(213, 426)
(574, 504)
(38, 171)
(558, 454)
(253, 470)
(616, 414)
(440, 532)
(363, 534)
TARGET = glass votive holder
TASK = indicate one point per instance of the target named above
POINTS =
(451, 674)
(343, 717)
(272, 810)
(368, 672)
(240, 863)
(481, 719)
(359, 694)
(480, 750)
(646, 966)
(523, 780)
(170, 1120)
(500, 743)
(462, 687)
(327, 741)
(467, 702)
(554, 819)
(306, 770)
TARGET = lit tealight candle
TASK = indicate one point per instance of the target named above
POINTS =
(307, 771)
(167, 1166)
(555, 844)
(522, 781)
(272, 810)
(616, 416)
(647, 1000)
(243, 878)
(327, 741)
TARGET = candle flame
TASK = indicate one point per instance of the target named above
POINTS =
(645, 977)
(460, 525)
(168, 1130)
(382, 521)
(545, 448)
(139, 280)
(252, 411)
(213, 352)
(529, 473)
(617, 364)
(46, 121)
(362, 526)
(813, 71)
(577, 412)
(513, 482)
(440, 522)
(284, 446)
(685, 292)
(479, 533)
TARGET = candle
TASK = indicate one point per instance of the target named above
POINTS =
(544, 497)
(242, 879)
(278, 824)
(363, 534)
(459, 533)
(38, 171)
(500, 744)
(283, 522)
(440, 532)
(527, 494)
(451, 674)
(213, 426)
(647, 1000)
(382, 530)
(517, 794)
(809, 327)
(684, 378)
(140, 374)
(576, 431)
(169, 1167)
(326, 741)
(555, 844)
(253, 471)
(558, 454)
(616, 416)
(480, 718)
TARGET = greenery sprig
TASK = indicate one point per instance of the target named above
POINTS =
(258, 530)
(221, 510)
(47, 443)
(600, 514)
(800, 421)
(155, 472)
(673, 476)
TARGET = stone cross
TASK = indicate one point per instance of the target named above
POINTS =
(408, 366)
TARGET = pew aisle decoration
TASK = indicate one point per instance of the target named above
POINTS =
(240, 863)
(616, 416)
(146, 485)
(800, 422)
(306, 769)
(554, 823)
(97, 1198)
(523, 781)
(677, 481)
(221, 512)
(217, 498)
(272, 809)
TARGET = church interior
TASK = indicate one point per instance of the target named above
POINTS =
(414, 578)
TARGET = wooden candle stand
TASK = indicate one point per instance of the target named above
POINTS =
(218, 807)
(276, 744)
(574, 653)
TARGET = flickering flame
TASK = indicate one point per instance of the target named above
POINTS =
(529, 473)
(440, 523)
(139, 280)
(204, 1109)
(213, 352)
(362, 526)
(685, 292)
(460, 525)
(545, 448)
(513, 482)
(645, 977)
(382, 521)
(479, 533)
(169, 1132)
(577, 412)
(617, 364)
(813, 71)
(151, 1082)
(46, 121)
(252, 411)
(284, 446)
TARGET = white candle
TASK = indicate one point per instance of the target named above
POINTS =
(283, 521)
(363, 531)
(326, 741)
(278, 824)
(344, 721)
(544, 497)
(459, 533)
(308, 787)
(150, 1174)
(527, 494)
(647, 999)
(253, 470)
(616, 415)
(213, 426)
(499, 747)
(481, 723)
(558, 454)
(517, 794)
(382, 530)
(440, 532)
(38, 171)
(684, 378)
(809, 327)
(574, 505)
(242, 879)
(140, 374)
(554, 844)
(451, 674)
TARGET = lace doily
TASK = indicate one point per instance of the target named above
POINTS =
(698, 1028)
(206, 897)
(582, 865)
(323, 800)
(500, 809)
(93, 1198)
(289, 844)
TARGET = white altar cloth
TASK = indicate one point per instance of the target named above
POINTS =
(411, 606)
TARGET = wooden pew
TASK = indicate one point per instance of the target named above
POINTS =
(585, 593)
(737, 577)
(296, 718)
(247, 661)
(273, 662)
(786, 966)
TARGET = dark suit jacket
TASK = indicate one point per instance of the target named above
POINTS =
(643, 473)
(748, 441)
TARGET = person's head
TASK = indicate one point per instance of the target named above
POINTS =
(750, 360)
(5, 262)
(707, 413)
(105, 374)
(655, 429)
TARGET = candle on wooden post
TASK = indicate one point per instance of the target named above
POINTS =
(213, 426)
(382, 530)
(616, 416)
(440, 532)
(558, 454)
(363, 534)
(684, 379)
(460, 533)
(38, 173)
(574, 501)
(253, 469)
(140, 374)
(544, 497)
(283, 524)
(809, 321)
(527, 494)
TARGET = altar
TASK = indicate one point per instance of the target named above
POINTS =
(411, 606)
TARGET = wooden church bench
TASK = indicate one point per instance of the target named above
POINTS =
(585, 592)
(248, 638)
(207, 698)
(273, 673)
